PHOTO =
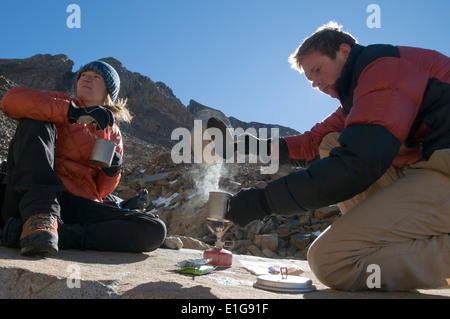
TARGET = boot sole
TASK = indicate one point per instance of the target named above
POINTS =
(39, 250)
(42, 243)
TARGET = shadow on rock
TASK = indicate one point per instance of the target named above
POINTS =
(100, 257)
(165, 289)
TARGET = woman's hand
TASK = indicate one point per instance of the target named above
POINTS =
(98, 115)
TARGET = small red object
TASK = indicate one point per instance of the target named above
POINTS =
(219, 256)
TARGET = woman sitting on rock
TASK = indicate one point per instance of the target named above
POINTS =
(51, 180)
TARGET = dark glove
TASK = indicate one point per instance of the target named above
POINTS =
(116, 165)
(98, 115)
(247, 205)
(249, 139)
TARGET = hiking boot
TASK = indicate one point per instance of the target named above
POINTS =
(39, 235)
(11, 232)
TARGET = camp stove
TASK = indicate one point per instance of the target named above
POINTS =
(218, 228)
(219, 255)
(217, 206)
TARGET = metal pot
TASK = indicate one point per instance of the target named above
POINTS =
(218, 205)
(201, 138)
(102, 153)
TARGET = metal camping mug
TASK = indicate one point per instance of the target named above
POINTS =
(218, 205)
(102, 153)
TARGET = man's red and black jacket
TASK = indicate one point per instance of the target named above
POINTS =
(395, 110)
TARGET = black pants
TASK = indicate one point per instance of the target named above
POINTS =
(34, 187)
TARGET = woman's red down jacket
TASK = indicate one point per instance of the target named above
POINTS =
(74, 141)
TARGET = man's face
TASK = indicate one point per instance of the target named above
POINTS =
(323, 72)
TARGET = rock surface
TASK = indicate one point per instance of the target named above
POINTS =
(73, 274)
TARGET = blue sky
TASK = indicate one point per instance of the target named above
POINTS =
(230, 55)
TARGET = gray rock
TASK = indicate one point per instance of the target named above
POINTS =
(300, 241)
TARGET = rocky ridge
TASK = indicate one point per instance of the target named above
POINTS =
(178, 193)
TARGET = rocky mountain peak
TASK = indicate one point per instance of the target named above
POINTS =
(42, 72)
(156, 109)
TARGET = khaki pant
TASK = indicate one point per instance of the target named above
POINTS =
(394, 236)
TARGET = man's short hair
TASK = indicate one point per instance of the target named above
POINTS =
(327, 40)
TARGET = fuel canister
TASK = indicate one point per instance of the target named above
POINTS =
(220, 256)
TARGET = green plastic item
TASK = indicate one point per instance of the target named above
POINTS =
(198, 270)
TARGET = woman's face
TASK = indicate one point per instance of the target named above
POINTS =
(91, 88)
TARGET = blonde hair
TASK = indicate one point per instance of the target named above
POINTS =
(327, 40)
(121, 113)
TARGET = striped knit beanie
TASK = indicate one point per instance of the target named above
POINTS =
(108, 73)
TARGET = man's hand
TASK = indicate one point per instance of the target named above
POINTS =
(252, 145)
(98, 115)
(246, 206)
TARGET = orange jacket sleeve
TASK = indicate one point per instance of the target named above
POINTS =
(45, 106)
